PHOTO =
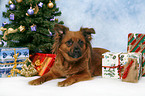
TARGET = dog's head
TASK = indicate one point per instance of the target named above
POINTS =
(72, 44)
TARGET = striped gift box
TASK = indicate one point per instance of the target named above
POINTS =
(136, 43)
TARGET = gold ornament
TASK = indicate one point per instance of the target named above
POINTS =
(3, 29)
(36, 9)
(10, 30)
(56, 19)
(50, 4)
(27, 14)
(10, 2)
(22, 28)
(19, 1)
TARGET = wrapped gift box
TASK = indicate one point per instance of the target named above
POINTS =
(112, 63)
(136, 43)
(143, 73)
(6, 54)
(131, 72)
(124, 59)
(43, 62)
(7, 60)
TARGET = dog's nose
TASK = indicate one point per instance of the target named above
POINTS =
(76, 50)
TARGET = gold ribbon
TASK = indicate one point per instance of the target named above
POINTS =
(14, 70)
(11, 30)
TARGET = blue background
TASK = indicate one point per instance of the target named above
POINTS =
(111, 19)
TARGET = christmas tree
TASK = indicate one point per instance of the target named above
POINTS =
(31, 24)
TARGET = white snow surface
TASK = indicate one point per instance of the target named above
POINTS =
(98, 86)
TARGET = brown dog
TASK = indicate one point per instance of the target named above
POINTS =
(75, 58)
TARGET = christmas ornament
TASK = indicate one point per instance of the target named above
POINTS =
(30, 11)
(36, 9)
(33, 27)
(12, 16)
(12, 7)
(3, 29)
(40, 4)
(22, 28)
(50, 4)
(50, 33)
(3, 24)
(10, 30)
(10, 2)
(19, 1)
(53, 19)
(27, 14)
(56, 19)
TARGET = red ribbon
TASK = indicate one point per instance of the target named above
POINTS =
(127, 70)
(119, 68)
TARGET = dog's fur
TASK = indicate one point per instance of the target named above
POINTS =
(75, 60)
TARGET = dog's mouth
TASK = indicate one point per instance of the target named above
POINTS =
(70, 56)
(74, 55)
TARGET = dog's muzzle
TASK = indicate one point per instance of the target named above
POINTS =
(69, 58)
(76, 53)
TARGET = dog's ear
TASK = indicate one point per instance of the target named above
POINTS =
(60, 29)
(87, 33)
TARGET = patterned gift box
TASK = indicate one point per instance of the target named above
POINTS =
(6, 54)
(12, 58)
(43, 62)
(136, 43)
(124, 59)
(112, 63)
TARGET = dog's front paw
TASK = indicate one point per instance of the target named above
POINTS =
(36, 82)
(65, 83)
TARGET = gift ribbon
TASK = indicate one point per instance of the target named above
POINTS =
(13, 63)
(127, 70)
(43, 58)
(119, 68)
(13, 70)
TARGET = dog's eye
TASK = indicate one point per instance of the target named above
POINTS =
(69, 43)
(81, 43)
